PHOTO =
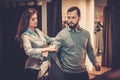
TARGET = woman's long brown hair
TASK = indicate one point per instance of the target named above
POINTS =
(23, 23)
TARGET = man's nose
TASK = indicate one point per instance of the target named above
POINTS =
(70, 19)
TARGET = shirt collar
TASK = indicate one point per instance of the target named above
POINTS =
(72, 30)
(30, 31)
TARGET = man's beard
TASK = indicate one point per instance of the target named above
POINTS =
(74, 26)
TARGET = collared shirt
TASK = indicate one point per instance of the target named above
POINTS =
(73, 46)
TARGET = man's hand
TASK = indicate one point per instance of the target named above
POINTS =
(97, 67)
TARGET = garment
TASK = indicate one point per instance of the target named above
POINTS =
(76, 76)
(31, 74)
(73, 46)
(99, 45)
(55, 70)
(33, 44)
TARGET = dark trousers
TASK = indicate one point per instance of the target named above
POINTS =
(76, 76)
(31, 74)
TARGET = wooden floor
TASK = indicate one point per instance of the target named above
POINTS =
(109, 75)
(93, 73)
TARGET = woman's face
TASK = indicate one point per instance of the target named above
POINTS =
(33, 21)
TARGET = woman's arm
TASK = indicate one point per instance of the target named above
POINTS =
(34, 52)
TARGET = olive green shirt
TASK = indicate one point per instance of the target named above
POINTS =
(73, 46)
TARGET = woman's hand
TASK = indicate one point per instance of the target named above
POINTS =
(51, 48)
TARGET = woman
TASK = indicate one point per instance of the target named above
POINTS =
(34, 42)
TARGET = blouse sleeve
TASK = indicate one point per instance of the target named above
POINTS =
(33, 52)
(48, 39)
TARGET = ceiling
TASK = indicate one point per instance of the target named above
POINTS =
(100, 3)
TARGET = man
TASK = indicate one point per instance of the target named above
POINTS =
(73, 43)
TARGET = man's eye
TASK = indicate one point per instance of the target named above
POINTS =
(68, 17)
(73, 17)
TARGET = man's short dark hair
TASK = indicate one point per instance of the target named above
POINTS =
(74, 8)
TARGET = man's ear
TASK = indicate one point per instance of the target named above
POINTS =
(79, 18)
